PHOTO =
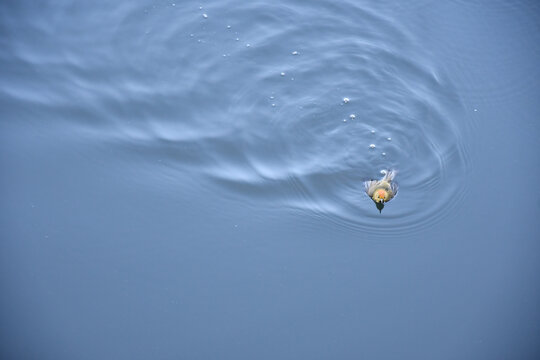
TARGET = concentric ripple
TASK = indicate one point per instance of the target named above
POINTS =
(274, 129)
(296, 144)
(249, 104)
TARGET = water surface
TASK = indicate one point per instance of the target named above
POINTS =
(184, 179)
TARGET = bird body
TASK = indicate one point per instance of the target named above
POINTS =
(382, 191)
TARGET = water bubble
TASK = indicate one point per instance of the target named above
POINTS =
(282, 74)
(352, 116)
(228, 26)
(372, 146)
(237, 39)
(373, 131)
(344, 120)
(389, 139)
(295, 53)
(204, 16)
(272, 97)
(346, 100)
(383, 154)
(475, 109)
(273, 104)
(248, 45)
(384, 172)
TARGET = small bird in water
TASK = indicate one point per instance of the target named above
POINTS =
(382, 191)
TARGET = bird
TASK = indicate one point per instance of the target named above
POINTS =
(382, 191)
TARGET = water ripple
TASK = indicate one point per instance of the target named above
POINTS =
(250, 101)
(293, 143)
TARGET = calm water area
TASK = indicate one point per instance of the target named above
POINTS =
(184, 179)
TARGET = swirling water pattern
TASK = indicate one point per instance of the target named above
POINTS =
(272, 126)
(183, 179)
(249, 101)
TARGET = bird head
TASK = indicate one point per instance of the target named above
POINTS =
(379, 197)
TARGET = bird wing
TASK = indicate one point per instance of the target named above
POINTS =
(389, 176)
(394, 186)
(370, 187)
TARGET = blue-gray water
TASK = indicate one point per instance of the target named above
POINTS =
(177, 184)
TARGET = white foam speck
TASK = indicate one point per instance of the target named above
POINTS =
(475, 109)
(372, 146)
(273, 104)
(383, 154)
(352, 116)
(373, 131)
(228, 26)
(295, 53)
(282, 74)
(237, 39)
(344, 120)
(204, 16)
(389, 139)
(346, 100)
(248, 45)
(383, 172)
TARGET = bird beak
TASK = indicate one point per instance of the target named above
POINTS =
(380, 206)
